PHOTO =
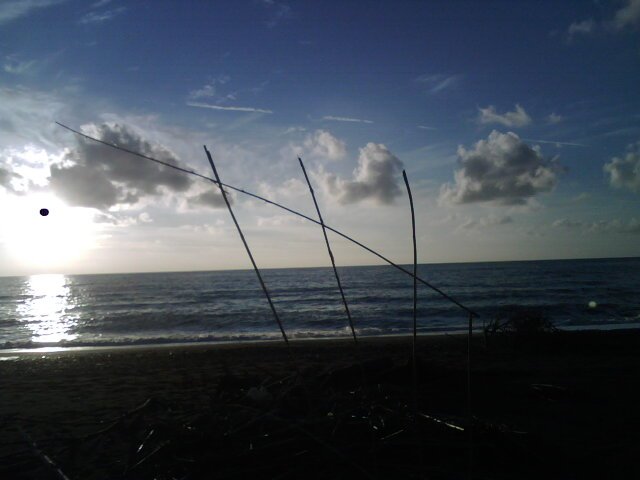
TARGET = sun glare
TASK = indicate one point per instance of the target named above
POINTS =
(45, 310)
(39, 240)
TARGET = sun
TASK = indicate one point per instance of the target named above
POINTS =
(42, 232)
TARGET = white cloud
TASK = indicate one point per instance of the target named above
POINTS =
(584, 27)
(27, 116)
(486, 222)
(278, 221)
(501, 169)
(554, 118)
(625, 172)
(15, 66)
(556, 143)
(322, 144)
(627, 16)
(100, 3)
(436, 83)
(100, 17)
(293, 130)
(13, 9)
(278, 12)
(424, 127)
(210, 89)
(344, 119)
(375, 178)
(517, 118)
(232, 109)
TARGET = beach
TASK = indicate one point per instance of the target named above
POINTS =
(561, 405)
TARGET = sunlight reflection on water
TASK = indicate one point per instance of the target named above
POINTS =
(44, 313)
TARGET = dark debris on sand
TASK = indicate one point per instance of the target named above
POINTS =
(360, 420)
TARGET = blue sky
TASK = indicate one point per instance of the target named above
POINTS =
(517, 122)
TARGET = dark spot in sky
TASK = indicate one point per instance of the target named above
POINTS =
(44, 212)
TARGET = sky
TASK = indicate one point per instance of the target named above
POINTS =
(517, 123)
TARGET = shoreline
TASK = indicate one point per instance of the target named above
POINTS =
(231, 344)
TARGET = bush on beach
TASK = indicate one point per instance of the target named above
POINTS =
(521, 325)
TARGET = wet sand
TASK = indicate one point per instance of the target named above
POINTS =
(563, 405)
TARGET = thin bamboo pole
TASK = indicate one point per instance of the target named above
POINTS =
(270, 202)
(333, 261)
(469, 400)
(415, 268)
(246, 246)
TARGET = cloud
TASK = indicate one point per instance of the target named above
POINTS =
(15, 66)
(344, 119)
(210, 89)
(6, 177)
(556, 143)
(322, 144)
(210, 198)
(100, 17)
(627, 16)
(278, 12)
(26, 117)
(517, 118)
(13, 9)
(486, 222)
(625, 172)
(601, 226)
(424, 127)
(436, 83)
(584, 27)
(94, 175)
(293, 130)
(501, 169)
(553, 118)
(374, 178)
(566, 223)
(233, 109)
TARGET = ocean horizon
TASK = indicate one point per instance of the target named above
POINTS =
(93, 310)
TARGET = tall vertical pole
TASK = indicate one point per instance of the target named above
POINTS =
(333, 261)
(469, 409)
(415, 268)
(246, 246)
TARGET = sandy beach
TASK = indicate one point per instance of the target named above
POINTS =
(563, 405)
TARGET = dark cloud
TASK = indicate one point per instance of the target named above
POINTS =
(625, 172)
(6, 176)
(501, 169)
(374, 178)
(211, 198)
(94, 175)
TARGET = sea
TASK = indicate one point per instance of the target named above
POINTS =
(68, 311)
